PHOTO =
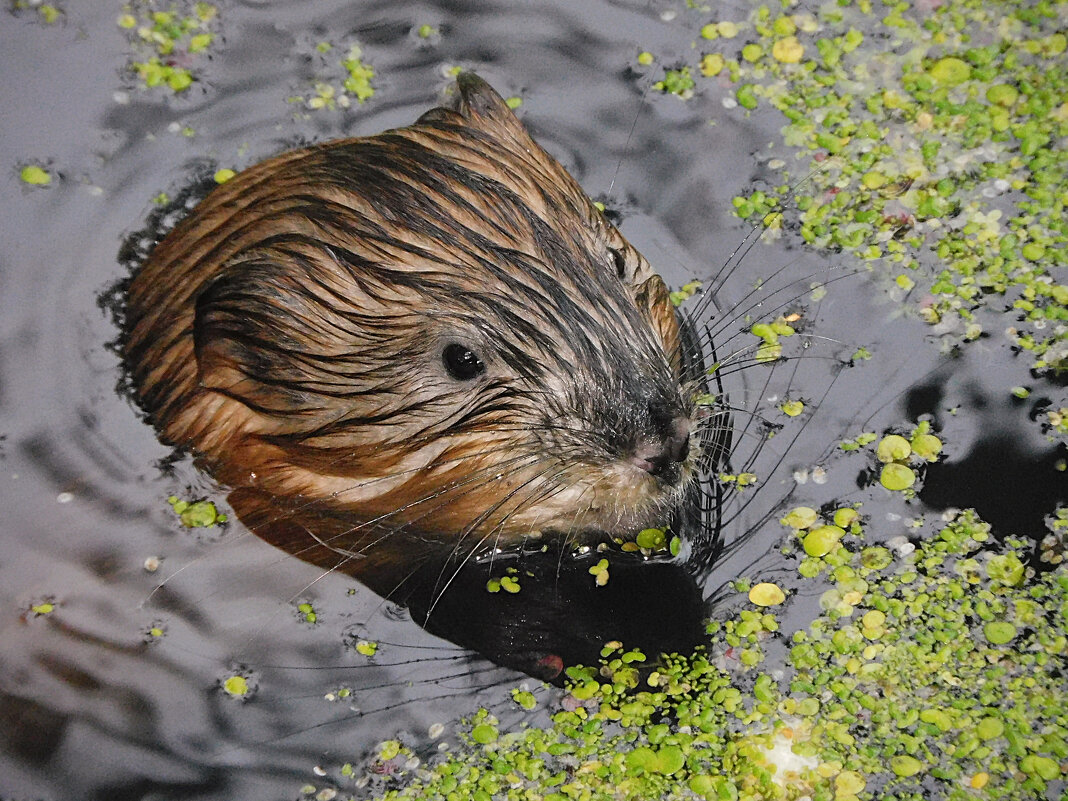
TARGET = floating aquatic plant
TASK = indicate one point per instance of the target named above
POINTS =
(930, 148)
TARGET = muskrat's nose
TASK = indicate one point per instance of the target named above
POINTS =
(660, 458)
(677, 445)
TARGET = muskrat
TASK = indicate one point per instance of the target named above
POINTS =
(427, 338)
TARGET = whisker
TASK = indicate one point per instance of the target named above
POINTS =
(756, 230)
(477, 479)
(441, 588)
(789, 445)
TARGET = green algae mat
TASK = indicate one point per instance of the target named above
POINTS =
(934, 671)
(929, 147)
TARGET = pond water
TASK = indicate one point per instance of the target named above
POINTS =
(111, 674)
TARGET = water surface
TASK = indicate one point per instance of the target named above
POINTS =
(92, 705)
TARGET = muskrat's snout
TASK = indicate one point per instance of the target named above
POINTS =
(664, 457)
(638, 456)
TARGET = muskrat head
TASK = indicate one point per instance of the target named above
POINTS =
(432, 329)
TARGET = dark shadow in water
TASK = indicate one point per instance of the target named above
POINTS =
(29, 730)
(924, 399)
(1012, 488)
(1012, 484)
(560, 616)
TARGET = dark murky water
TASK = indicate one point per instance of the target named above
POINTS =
(89, 708)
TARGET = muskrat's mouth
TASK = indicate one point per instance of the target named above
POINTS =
(615, 507)
(581, 544)
(655, 531)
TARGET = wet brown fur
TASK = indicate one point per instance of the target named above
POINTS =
(289, 331)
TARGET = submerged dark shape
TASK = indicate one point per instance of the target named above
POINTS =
(1010, 486)
(404, 351)
(560, 616)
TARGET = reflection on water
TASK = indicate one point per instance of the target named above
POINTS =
(93, 703)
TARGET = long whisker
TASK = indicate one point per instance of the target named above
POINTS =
(440, 588)
(756, 230)
(435, 500)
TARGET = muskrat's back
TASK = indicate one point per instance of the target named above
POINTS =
(431, 330)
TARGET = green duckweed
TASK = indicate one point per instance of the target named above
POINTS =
(651, 539)
(168, 43)
(307, 612)
(766, 594)
(236, 686)
(196, 514)
(600, 572)
(926, 446)
(846, 517)
(801, 517)
(934, 156)
(366, 648)
(35, 175)
(510, 584)
(893, 448)
(999, 632)
(684, 293)
(524, 698)
(676, 82)
(792, 408)
(820, 541)
(338, 81)
(46, 13)
(484, 733)
(897, 477)
(844, 721)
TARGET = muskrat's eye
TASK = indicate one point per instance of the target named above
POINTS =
(461, 362)
(620, 262)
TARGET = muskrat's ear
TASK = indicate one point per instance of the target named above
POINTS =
(239, 338)
(222, 351)
(479, 98)
(480, 105)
